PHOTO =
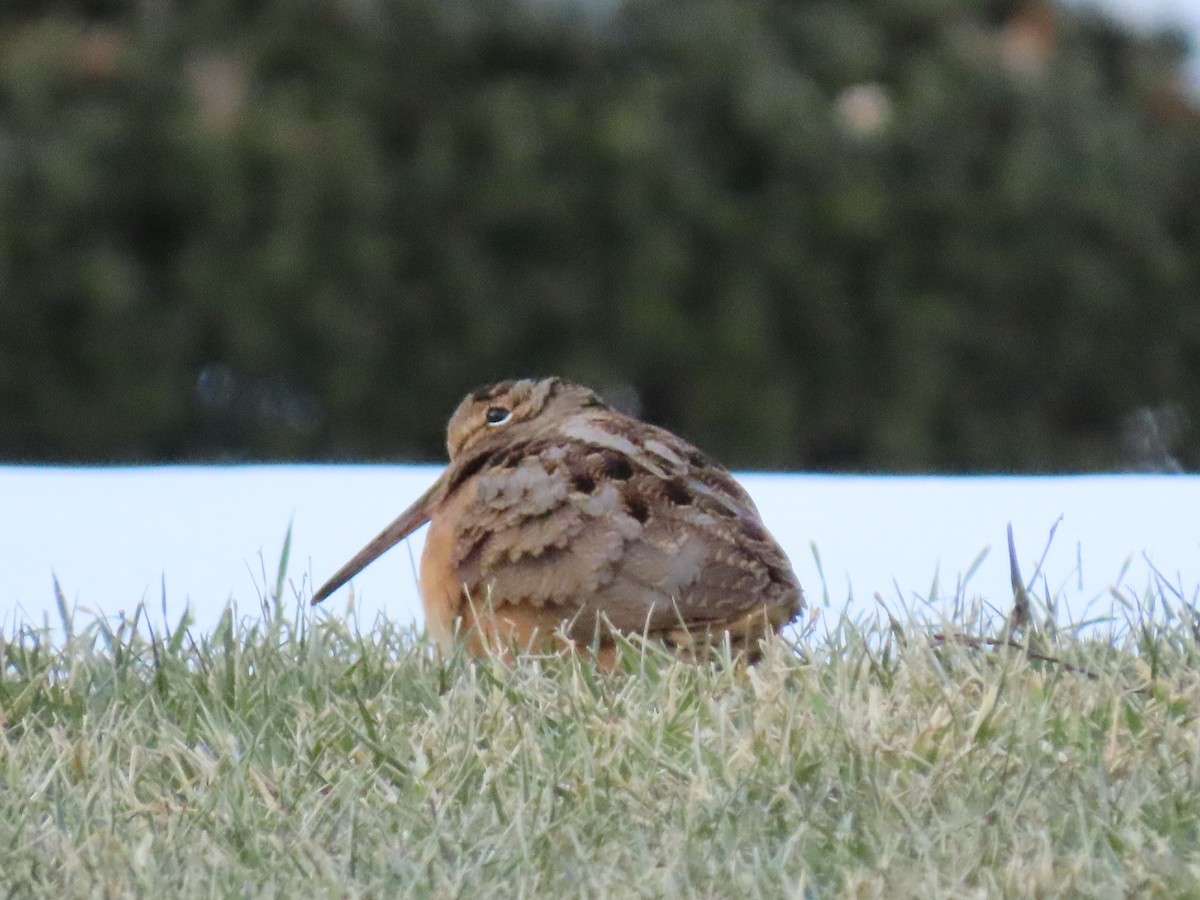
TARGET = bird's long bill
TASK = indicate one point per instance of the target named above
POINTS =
(405, 524)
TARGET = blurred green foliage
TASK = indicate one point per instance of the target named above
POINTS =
(917, 235)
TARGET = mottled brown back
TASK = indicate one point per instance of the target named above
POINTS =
(593, 513)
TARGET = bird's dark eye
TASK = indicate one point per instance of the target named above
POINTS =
(498, 415)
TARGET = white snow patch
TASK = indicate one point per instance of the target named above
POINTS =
(116, 536)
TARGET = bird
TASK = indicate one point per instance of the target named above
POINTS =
(561, 522)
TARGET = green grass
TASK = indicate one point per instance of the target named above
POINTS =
(301, 756)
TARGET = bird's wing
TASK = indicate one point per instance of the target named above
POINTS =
(638, 527)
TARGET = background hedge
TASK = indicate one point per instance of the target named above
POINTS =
(868, 234)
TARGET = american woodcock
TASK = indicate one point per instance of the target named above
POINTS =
(561, 519)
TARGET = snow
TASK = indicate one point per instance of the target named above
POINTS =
(208, 535)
